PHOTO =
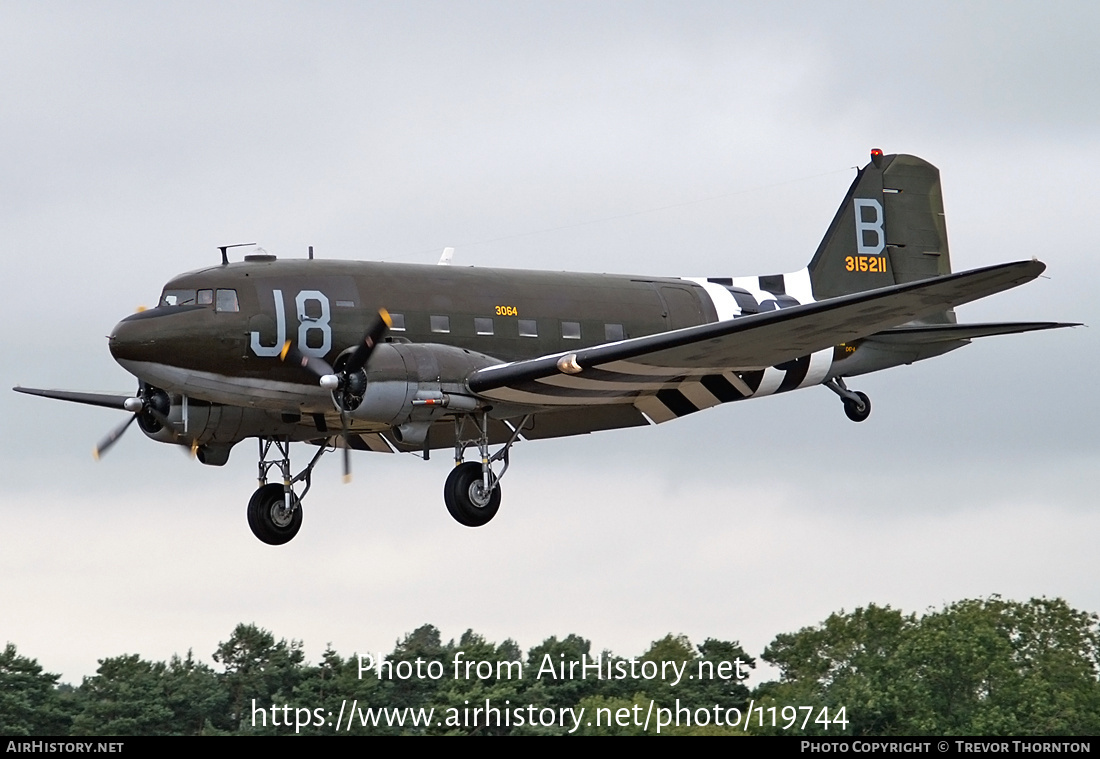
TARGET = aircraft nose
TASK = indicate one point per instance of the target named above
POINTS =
(132, 339)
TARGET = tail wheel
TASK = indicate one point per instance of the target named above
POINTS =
(854, 411)
(466, 498)
(270, 519)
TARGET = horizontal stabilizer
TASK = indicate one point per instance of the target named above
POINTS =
(91, 399)
(944, 333)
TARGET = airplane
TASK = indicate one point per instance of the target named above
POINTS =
(392, 357)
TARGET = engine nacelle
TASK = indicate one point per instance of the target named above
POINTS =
(407, 383)
(212, 428)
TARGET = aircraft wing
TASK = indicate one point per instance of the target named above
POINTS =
(91, 399)
(616, 372)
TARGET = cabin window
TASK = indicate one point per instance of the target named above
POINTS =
(528, 328)
(483, 325)
(571, 330)
(227, 301)
(397, 322)
(178, 298)
(205, 297)
(613, 332)
(441, 324)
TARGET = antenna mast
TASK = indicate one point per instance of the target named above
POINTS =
(224, 248)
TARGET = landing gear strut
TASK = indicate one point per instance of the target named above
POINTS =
(472, 491)
(275, 511)
(857, 406)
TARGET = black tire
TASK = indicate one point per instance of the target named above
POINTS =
(460, 494)
(267, 515)
(854, 412)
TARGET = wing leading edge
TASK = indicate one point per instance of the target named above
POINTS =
(103, 400)
(620, 371)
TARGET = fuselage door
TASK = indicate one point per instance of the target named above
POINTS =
(682, 307)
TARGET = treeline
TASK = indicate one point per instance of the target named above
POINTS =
(976, 667)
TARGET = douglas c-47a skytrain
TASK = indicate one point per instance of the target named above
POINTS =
(398, 357)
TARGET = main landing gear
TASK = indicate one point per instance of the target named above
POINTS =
(275, 510)
(472, 490)
(857, 406)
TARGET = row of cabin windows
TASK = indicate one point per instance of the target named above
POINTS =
(221, 299)
(226, 300)
(483, 325)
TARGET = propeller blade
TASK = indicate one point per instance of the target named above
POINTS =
(347, 447)
(291, 354)
(163, 419)
(358, 358)
(105, 444)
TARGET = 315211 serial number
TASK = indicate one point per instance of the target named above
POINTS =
(865, 263)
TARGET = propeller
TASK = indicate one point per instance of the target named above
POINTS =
(347, 381)
(148, 402)
(112, 437)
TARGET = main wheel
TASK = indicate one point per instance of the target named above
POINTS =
(269, 517)
(854, 412)
(465, 496)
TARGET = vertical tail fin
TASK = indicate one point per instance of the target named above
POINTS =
(890, 229)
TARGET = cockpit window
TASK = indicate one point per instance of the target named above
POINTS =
(222, 299)
(177, 298)
(227, 301)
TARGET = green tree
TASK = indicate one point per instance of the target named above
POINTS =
(670, 653)
(497, 686)
(978, 667)
(707, 679)
(849, 661)
(259, 672)
(417, 649)
(550, 689)
(29, 700)
(335, 686)
(995, 667)
(728, 690)
(125, 697)
(198, 701)
(131, 696)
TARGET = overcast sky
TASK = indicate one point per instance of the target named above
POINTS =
(682, 139)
